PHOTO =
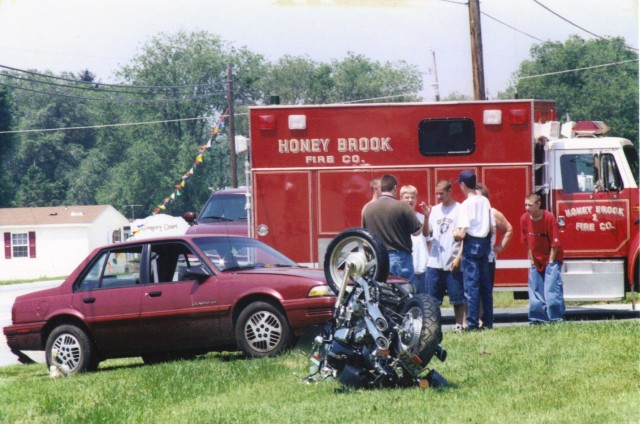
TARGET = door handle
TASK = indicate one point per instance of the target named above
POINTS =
(89, 299)
(154, 294)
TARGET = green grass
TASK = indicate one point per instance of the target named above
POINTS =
(573, 372)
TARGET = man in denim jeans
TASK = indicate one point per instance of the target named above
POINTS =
(540, 233)
(474, 227)
(393, 221)
(445, 255)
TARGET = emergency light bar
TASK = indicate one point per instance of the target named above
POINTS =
(590, 128)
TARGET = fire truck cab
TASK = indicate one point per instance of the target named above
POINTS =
(311, 167)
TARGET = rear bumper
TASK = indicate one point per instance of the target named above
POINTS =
(24, 337)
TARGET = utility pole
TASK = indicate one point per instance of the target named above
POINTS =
(232, 130)
(434, 84)
(133, 213)
(476, 50)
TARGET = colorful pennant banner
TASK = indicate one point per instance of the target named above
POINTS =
(199, 158)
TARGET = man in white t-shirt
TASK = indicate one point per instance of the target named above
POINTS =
(443, 263)
(474, 227)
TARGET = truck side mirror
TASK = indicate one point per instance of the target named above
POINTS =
(190, 217)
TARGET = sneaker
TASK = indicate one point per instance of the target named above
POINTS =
(458, 329)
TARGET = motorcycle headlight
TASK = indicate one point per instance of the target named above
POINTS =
(319, 291)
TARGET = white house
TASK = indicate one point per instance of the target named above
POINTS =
(52, 241)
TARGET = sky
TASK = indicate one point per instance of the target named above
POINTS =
(104, 35)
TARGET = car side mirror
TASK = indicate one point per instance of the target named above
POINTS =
(195, 273)
(190, 217)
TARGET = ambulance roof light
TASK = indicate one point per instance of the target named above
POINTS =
(297, 122)
(267, 122)
(492, 117)
(590, 128)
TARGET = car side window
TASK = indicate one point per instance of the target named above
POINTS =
(168, 262)
(113, 268)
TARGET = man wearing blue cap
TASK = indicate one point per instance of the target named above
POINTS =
(474, 227)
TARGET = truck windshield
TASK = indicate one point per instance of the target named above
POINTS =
(632, 158)
(224, 207)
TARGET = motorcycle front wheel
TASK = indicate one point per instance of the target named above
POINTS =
(361, 243)
(421, 329)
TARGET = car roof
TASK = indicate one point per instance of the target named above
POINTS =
(238, 190)
(184, 237)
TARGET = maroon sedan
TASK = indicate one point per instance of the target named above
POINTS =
(171, 297)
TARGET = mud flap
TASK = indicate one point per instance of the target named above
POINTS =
(22, 358)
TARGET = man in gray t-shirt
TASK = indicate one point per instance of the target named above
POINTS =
(393, 221)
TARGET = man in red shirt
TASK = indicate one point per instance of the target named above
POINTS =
(540, 233)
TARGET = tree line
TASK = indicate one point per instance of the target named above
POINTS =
(177, 86)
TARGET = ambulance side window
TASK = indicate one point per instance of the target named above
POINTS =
(588, 173)
(438, 137)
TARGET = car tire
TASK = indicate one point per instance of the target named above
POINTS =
(262, 330)
(71, 348)
(350, 241)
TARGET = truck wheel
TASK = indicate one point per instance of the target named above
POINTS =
(359, 242)
(421, 329)
(262, 330)
(70, 348)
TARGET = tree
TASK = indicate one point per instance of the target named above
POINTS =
(300, 80)
(603, 93)
(194, 65)
(6, 149)
(36, 190)
(356, 78)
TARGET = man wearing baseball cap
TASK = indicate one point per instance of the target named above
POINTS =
(474, 227)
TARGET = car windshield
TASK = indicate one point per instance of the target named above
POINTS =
(224, 207)
(238, 253)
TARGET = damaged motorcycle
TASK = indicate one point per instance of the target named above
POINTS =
(382, 334)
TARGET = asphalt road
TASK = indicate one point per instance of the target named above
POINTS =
(502, 317)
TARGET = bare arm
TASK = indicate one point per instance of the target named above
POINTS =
(455, 265)
(552, 254)
(426, 211)
(504, 227)
(459, 234)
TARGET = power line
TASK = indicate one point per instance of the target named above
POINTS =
(105, 84)
(577, 69)
(509, 26)
(88, 127)
(576, 25)
(95, 89)
(109, 99)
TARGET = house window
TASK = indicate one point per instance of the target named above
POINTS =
(20, 245)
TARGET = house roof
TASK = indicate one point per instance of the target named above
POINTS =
(51, 215)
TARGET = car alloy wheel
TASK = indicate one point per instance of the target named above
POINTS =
(262, 330)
